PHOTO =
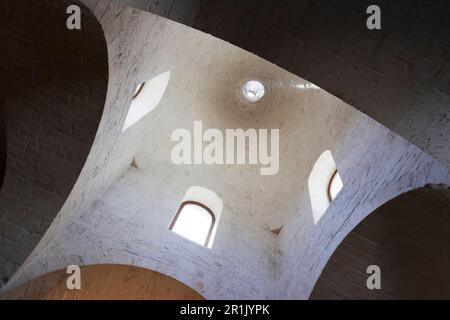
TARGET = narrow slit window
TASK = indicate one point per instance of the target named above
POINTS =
(138, 90)
(324, 184)
(194, 221)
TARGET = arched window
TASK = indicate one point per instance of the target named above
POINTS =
(198, 215)
(194, 221)
(146, 97)
(324, 184)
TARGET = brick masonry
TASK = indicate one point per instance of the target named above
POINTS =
(127, 224)
(53, 91)
(407, 238)
(415, 174)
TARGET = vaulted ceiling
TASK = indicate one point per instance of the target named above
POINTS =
(399, 75)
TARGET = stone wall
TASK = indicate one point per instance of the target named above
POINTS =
(120, 215)
(407, 238)
(109, 156)
(54, 85)
(376, 166)
(129, 225)
(129, 222)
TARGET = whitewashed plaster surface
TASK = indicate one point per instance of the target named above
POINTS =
(120, 214)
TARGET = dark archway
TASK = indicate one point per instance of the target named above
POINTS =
(408, 238)
(53, 91)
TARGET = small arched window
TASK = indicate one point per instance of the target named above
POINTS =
(194, 221)
(198, 216)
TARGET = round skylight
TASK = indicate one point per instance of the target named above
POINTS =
(253, 90)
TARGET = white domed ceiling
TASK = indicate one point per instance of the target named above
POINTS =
(206, 84)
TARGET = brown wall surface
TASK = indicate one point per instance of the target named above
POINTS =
(408, 238)
(106, 282)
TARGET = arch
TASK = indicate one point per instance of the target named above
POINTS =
(105, 282)
(146, 97)
(408, 238)
(53, 103)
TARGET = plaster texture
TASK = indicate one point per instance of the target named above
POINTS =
(119, 214)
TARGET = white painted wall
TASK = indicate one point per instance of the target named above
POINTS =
(376, 165)
(118, 214)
